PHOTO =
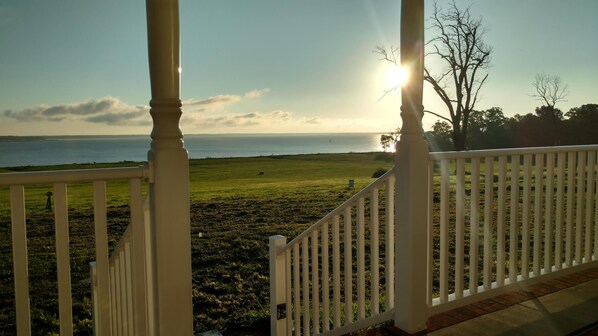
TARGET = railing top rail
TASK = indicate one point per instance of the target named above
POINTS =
(340, 208)
(69, 176)
(509, 151)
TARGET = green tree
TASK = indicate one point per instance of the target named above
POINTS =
(440, 137)
(389, 140)
(550, 125)
(545, 127)
(582, 125)
(489, 129)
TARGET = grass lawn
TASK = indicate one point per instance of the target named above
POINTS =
(236, 204)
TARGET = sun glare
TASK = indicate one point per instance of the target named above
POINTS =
(395, 77)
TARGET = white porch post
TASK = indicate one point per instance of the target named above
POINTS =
(171, 311)
(411, 160)
(278, 269)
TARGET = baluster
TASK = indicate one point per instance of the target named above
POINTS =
(430, 234)
(560, 181)
(360, 259)
(123, 288)
(101, 244)
(374, 252)
(348, 267)
(93, 275)
(315, 283)
(548, 227)
(444, 199)
(390, 242)
(525, 216)
(336, 271)
(595, 214)
(325, 279)
(305, 272)
(589, 200)
(288, 291)
(500, 225)
(118, 292)
(20, 263)
(460, 215)
(129, 286)
(570, 189)
(139, 250)
(581, 166)
(297, 288)
(113, 295)
(539, 184)
(514, 229)
(488, 198)
(473, 226)
(63, 263)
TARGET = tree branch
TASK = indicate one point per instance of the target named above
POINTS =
(438, 115)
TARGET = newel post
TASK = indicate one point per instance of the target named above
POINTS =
(278, 309)
(411, 161)
(170, 294)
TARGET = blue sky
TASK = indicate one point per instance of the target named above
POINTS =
(80, 66)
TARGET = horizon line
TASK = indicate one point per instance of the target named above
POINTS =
(188, 134)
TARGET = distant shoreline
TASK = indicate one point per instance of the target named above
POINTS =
(57, 150)
(12, 137)
(90, 165)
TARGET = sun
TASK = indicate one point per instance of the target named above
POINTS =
(395, 76)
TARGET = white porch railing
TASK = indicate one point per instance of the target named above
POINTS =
(507, 217)
(59, 180)
(496, 219)
(324, 282)
(125, 310)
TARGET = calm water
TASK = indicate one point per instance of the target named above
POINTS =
(22, 151)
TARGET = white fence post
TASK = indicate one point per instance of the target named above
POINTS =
(278, 308)
(170, 233)
(411, 162)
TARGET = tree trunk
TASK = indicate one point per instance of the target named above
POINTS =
(458, 140)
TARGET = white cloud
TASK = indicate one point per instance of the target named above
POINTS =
(313, 121)
(107, 110)
(133, 118)
(221, 101)
(238, 120)
(114, 112)
(211, 103)
(256, 93)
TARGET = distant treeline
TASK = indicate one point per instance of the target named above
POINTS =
(548, 126)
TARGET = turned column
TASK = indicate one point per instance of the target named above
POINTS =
(411, 161)
(170, 294)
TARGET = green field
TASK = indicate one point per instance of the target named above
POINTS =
(236, 204)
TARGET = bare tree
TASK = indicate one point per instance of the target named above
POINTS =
(550, 89)
(458, 44)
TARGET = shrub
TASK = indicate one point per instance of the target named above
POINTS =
(379, 172)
